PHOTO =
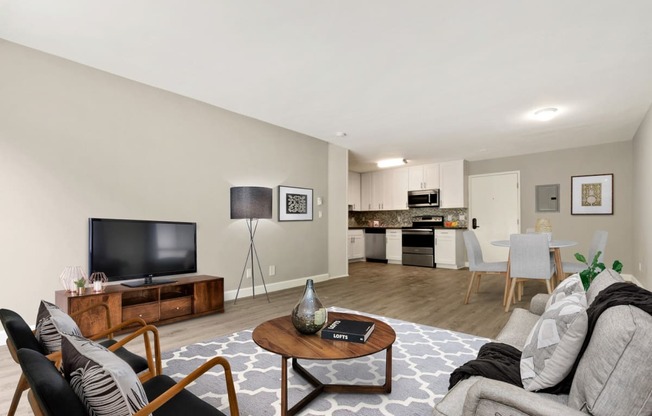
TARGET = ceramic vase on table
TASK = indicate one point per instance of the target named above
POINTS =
(309, 315)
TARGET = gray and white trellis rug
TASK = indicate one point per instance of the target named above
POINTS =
(423, 358)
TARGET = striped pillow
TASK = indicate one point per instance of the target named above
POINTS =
(51, 322)
(102, 381)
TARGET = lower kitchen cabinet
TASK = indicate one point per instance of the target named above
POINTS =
(394, 250)
(449, 249)
(355, 245)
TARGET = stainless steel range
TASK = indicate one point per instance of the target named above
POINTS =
(419, 241)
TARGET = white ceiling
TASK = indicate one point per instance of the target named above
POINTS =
(426, 80)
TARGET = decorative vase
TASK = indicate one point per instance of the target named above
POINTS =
(309, 315)
(80, 290)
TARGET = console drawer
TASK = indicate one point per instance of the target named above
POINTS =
(171, 308)
(147, 311)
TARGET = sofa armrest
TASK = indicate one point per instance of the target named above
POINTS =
(538, 303)
(490, 397)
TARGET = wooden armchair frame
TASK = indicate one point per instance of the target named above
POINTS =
(153, 360)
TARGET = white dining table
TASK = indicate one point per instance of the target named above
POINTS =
(555, 247)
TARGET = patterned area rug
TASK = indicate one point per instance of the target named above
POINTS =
(423, 358)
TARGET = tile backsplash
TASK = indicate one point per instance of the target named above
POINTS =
(403, 218)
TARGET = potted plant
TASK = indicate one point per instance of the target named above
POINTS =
(595, 268)
(80, 283)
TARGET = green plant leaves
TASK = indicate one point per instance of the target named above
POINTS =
(595, 268)
(581, 258)
(617, 266)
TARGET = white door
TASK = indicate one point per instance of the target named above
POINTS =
(494, 210)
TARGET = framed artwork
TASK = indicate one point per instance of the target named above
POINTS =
(294, 204)
(592, 194)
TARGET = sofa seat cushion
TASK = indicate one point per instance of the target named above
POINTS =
(554, 343)
(517, 328)
(613, 376)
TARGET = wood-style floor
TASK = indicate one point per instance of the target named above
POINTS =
(431, 297)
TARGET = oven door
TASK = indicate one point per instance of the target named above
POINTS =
(418, 247)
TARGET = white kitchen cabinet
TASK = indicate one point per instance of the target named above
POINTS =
(449, 249)
(366, 184)
(394, 249)
(423, 177)
(384, 190)
(355, 245)
(399, 188)
(453, 184)
(354, 191)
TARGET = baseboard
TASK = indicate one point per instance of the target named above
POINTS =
(274, 287)
(633, 279)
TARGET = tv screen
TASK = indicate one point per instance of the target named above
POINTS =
(131, 249)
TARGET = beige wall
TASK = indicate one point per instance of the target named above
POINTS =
(78, 143)
(557, 168)
(642, 183)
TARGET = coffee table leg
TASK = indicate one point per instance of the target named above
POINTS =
(284, 386)
(388, 370)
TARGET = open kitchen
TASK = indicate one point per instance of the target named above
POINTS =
(410, 216)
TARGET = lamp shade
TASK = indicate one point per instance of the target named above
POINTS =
(251, 202)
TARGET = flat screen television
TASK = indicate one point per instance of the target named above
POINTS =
(131, 249)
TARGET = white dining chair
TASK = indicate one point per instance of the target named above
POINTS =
(477, 265)
(529, 257)
(599, 243)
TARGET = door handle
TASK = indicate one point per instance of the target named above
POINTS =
(474, 223)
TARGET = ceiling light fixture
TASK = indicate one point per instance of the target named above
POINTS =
(388, 163)
(545, 114)
(340, 134)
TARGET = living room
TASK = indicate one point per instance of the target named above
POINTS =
(77, 142)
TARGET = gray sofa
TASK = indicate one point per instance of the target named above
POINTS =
(613, 378)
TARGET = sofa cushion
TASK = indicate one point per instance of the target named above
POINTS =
(603, 280)
(517, 328)
(613, 375)
(554, 343)
(51, 322)
(570, 285)
(104, 383)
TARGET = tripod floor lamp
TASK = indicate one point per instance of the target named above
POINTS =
(251, 203)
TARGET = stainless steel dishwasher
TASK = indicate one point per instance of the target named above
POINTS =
(374, 245)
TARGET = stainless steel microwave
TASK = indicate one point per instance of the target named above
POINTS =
(423, 198)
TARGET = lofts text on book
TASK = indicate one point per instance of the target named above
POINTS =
(348, 330)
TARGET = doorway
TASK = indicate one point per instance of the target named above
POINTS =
(495, 210)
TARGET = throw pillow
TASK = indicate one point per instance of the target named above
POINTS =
(102, 381)
(568, 286)
(51, 322)
(554, 343)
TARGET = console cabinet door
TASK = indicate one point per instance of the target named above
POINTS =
(94, 320)
(209, 296)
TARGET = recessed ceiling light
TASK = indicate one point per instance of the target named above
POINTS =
(388, 163)
(340, 134)
(545, 114)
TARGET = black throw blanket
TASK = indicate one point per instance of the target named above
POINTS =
(502, 362)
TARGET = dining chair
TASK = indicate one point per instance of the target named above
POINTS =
(529, 256)
(477, 265)
(599, 243)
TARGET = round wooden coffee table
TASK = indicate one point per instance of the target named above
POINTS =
(279, 336)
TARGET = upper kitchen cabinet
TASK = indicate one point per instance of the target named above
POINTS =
(354, 191)
(423, 177)
(384, 190)
(453, 184)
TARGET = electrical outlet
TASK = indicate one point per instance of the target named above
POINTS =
(272, 270)
(450, 217)
(462, 217)
(248, 273)
(640, 267)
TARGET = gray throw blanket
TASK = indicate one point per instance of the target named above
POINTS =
(502, 362)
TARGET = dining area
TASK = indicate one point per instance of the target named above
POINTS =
(532, 256)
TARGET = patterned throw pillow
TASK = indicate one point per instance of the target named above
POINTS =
(568, 286)
(103, 382)
(51, 322)
(554, 343)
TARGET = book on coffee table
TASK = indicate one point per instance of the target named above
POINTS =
(348, 330)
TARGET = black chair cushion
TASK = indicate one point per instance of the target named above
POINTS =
(136, 362)
(184, 403)
(51, 390)
(18, 332)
